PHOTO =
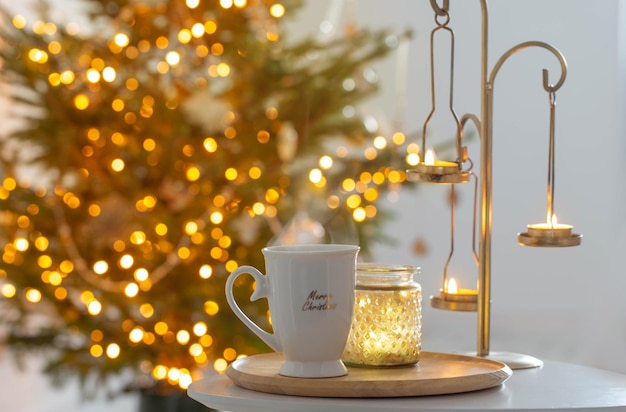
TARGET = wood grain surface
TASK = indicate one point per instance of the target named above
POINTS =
(435, 374)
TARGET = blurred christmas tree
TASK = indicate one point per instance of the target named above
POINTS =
(166, 146)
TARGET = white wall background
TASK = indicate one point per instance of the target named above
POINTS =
(565, 304)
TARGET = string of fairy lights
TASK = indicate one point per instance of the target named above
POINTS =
(85, 80)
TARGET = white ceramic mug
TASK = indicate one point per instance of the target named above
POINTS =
(310, 291)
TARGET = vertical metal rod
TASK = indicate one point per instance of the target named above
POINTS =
(486, 126)
(551, 157)
(476, 258)
(445, 268)
(486, 161)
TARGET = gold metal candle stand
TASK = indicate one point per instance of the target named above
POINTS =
(549, 234)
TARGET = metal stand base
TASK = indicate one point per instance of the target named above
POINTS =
(514, 360)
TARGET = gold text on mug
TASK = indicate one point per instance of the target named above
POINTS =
(317, 301)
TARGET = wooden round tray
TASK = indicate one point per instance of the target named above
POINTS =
(435, 374)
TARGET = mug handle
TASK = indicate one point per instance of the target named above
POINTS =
(261, 291)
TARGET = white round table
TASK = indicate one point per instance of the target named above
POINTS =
(556, 386)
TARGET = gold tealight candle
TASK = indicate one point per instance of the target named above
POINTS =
(550, 233)
(550, 229)
(451, 297)
(432, 165)
(455, 294)
(386, 325)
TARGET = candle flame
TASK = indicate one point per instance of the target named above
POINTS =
(429, 158)
(451, 287)
(552, 221)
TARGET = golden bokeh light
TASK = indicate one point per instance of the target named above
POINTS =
(254, 173)
(146, 310)
(121, 39)
(184, 37)
(94, 307)
(21, 244)
(398, 138)
(113, 350)
(8, 290)
(126, 261)
(182, 337)
(370, 153)
(412, 159)
(136, 335)
(277, 10)
(211, 308)
(200, 328)
(196, 350)
(206, 271)
(19, 21)
(220, 365)
(118, 165)
(131, 290)
(161, 328)
(315, 175)
(231, 173)
(353, 201)
(100, 267)
(359, 214)
(326, 162)
(38, 56)
(173, 58)
(81, 101)
(217, 217)
(109, 74)
(159, 372)
(413, 148)
(230, 354)
(348, 185)
(380, 142)
(183, 252)
(210, 26)
(96, 350)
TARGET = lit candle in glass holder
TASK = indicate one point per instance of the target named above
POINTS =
(386, 325)
(550, 229)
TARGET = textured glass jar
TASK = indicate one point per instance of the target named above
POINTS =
(387, 321)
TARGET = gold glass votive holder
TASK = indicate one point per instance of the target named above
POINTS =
(387, 321)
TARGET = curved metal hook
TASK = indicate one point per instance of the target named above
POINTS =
(441, 11)
(464, 119)
(546, 84)
(550, 88)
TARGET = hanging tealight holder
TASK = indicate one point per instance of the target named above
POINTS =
(551, 233)
(451, 296)
(430, 169)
